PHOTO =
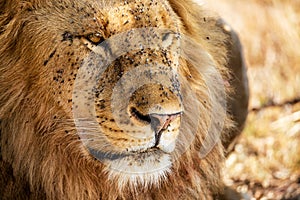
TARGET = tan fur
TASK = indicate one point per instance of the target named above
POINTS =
(41, 153)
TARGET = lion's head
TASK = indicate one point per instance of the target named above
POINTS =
(111, 99)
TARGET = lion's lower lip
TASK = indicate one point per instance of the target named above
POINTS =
(102, 156)
(149, 150)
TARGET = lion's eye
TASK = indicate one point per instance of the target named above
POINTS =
(95, 38)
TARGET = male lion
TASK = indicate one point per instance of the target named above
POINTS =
(116, 99)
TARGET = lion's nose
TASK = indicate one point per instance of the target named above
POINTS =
(154, 107)
(160, 123)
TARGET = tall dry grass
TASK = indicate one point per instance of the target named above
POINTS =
(266, 162)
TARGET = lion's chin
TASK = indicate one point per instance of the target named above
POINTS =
(145, 168)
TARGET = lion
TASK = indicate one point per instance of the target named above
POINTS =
(116, 99)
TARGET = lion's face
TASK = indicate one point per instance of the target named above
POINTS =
(127, 113)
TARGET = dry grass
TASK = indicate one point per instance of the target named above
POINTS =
(270, 32)
(266, 162)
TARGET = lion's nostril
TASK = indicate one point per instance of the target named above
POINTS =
(139, 116)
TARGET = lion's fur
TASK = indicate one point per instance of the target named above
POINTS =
(41, 155)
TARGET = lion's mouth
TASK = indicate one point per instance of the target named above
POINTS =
(161, 142)
(111, 156)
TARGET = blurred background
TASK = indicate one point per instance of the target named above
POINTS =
(266, 161)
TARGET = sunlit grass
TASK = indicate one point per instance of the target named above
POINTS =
(269, 31)
(266, 161)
